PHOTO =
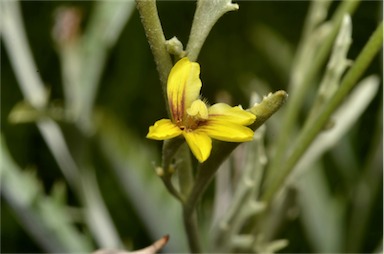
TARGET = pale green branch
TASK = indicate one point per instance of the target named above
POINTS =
(170, 148)
(183, 166)
(20, 55)
(312, 130)
(154, 32)
(345, 117)
(206, 15)
(13, 34)
(244, 203)
(130, 160)
(44, 217)
(83, 56)
(300, 89)
(336, 66)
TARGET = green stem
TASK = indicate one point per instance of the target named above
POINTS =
(190, 224)
(317, 12)
(183, 167)
(16, 44)
(170, 147)
(83, 56)
(23, 192)
(20, 56)
(171, 188)
(154, 32)
(103, 30)
(312, 130)
(363, 204)
(206, 15)
(301, 90)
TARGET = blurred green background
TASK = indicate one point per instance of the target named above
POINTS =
(236, 53)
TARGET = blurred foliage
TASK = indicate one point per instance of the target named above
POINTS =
(234, 57)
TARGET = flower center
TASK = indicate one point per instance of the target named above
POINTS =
(196, 115)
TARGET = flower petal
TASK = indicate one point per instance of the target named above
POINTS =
(227, 131)
(224, 112)
(183, 87)
(199, 143)
(163, 129)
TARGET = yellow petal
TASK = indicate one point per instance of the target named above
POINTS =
(183, 87)
(199, 143)
(198, 110)
(163, 129)
(224, 112)
(226, 131)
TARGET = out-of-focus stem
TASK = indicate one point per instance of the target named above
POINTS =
(301, 90)
(191, 228)
(13, 34)
(310, 132)
(221, 150)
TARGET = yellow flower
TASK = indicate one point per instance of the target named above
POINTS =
(196, 121)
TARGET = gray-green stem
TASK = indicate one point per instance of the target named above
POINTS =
(16, 44)
(301, 90)
(191, 228)
(183, 167)
(312, 130)
(170, 147)
(206, 15)
(154, 32)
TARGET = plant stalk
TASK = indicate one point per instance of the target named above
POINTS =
(154, 32)
(309, 134)
(221, 150)
(191, 228)
(301, 90)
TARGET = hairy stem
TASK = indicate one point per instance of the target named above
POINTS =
(154, 32)
(206, 15)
